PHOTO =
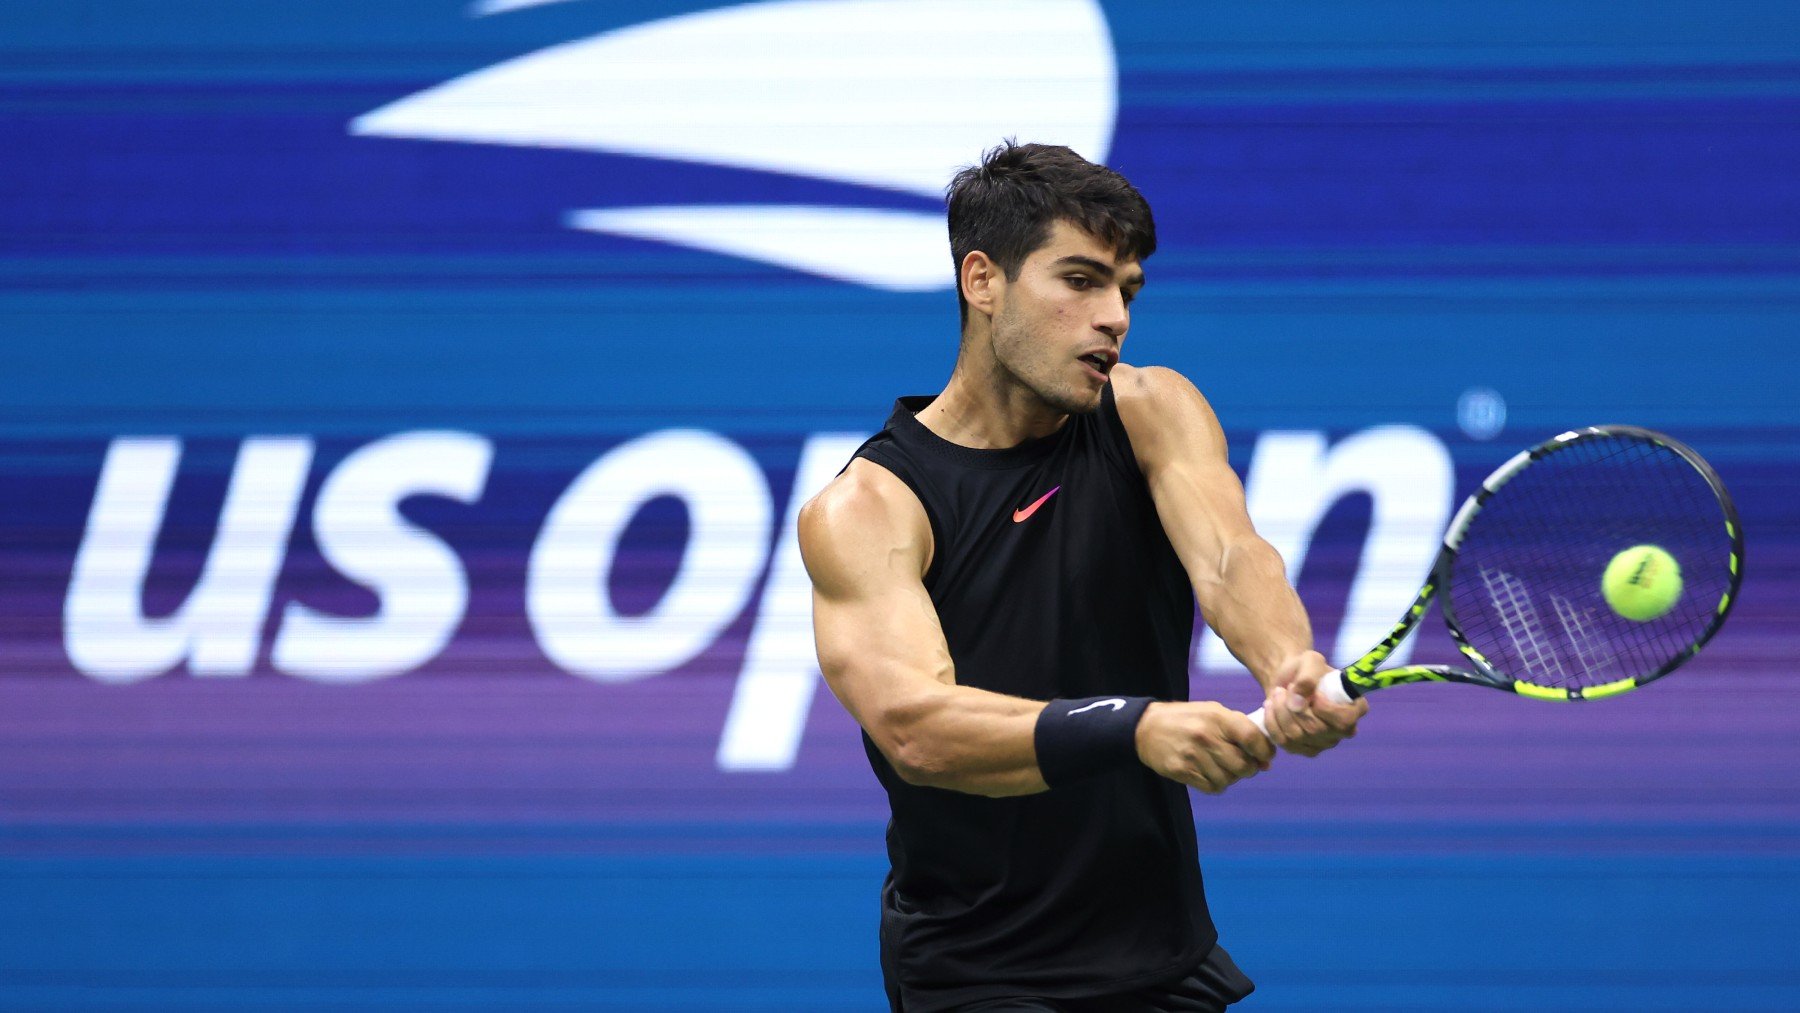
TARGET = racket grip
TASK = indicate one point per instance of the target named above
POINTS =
(1331, 687)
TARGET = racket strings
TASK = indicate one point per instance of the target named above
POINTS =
(1526, 591)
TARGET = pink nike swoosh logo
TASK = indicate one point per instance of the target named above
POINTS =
(1020, 516)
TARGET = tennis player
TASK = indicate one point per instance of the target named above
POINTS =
(1004, 588)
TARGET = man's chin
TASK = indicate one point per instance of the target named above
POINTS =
(1076, 402)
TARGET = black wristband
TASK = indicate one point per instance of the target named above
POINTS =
(1080, 738)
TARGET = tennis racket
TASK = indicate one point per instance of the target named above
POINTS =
(1518, 577)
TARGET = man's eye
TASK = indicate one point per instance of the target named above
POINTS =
(1080, 281)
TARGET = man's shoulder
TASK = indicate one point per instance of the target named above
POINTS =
(1163, 413)
(1149, 390)
(864, 492)
(866, 510)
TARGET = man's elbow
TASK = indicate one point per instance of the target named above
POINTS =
(920, 744)
(925, 764)
(921, 767)
(903, 733)
(925, 768)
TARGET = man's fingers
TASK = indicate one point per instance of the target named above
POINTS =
(1208, 777)
(1209, 747)
(1245, 735)
(1304, 720)
(1304, 686)
(1238, 763)
(1279, 719)
(1341, 718)
(1226, 763)
(1308, 727)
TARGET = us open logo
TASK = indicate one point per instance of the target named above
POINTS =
(871, 93)
(739, 545)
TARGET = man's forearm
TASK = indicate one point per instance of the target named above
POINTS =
(964, 739)
(1251, 606)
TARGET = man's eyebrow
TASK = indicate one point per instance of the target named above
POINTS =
(1099, 267)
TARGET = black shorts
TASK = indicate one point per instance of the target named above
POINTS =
(1214, 985)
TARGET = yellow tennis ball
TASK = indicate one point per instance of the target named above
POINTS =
(1642, 583)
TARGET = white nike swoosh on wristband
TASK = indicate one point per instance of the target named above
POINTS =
(1115, 703)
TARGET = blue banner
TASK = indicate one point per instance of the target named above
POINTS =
(406, 408)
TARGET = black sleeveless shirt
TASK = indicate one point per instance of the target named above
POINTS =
(1052, 578)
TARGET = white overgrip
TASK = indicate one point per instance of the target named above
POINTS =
(1331, 687)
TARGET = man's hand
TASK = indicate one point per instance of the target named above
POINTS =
(1301, 722)
(1205, 745)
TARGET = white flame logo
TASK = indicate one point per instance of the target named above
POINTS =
(890, 94)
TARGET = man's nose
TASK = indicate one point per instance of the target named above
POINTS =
(1113, 318)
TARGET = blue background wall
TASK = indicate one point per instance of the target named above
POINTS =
(1366, 210)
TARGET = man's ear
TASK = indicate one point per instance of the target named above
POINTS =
(982, 282)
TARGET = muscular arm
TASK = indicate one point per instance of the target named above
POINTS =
(1239, 579)
(867, 544)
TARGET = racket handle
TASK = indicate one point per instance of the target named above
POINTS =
(1331, 687)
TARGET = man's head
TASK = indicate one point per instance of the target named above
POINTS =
(1004, 207)
(1047, 248)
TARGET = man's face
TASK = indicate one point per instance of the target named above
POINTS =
(1059, 327)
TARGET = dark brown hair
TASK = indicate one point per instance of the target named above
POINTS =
(1005, 207)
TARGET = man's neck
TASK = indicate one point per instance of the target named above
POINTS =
(986, 408)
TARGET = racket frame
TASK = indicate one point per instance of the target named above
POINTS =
(1365, 676)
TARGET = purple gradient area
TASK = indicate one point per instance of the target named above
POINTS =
(490, 748)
